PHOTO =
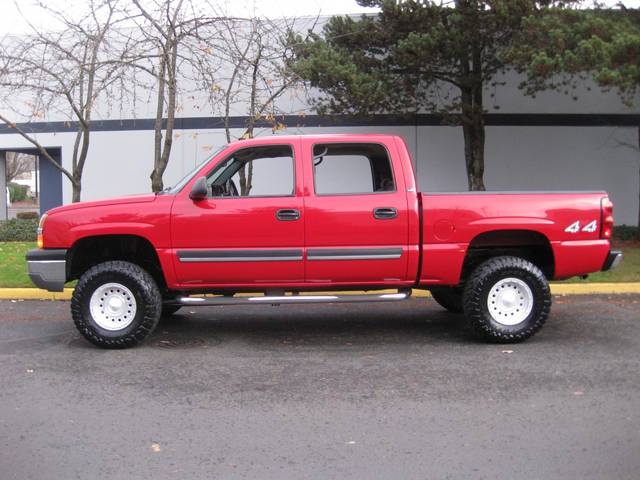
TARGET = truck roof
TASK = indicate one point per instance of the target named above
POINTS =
(326, 136)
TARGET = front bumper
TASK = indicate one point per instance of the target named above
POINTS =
(613, 260)
(48, 268)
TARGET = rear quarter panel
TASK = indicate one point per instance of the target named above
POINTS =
(451, 222)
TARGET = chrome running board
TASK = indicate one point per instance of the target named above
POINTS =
(403, 294)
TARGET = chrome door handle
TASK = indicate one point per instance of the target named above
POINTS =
(385, 213)
(288, 215)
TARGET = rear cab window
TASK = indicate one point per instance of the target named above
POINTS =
(352, 169)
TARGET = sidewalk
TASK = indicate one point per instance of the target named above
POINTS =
(556, 289)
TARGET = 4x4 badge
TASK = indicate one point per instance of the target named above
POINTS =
(590, 227)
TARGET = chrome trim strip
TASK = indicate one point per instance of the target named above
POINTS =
(46, 261)
(240, 259)
(353, 257)
(205, 256)
(354, 254)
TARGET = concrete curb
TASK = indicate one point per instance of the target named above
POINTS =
(556, 289)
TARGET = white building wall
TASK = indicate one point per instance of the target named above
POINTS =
(517, 158)
(539, 158)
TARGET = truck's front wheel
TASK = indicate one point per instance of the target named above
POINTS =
(506, 299)
(116, 304)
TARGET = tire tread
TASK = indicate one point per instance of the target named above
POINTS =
(473, 299)
(151, 304)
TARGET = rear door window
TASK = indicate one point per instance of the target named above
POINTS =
(351, 169)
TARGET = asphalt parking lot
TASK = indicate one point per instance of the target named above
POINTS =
(393, 391)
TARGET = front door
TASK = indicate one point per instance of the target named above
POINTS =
(249, 228)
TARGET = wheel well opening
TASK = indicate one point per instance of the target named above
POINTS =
(91, 251)
(531, 246)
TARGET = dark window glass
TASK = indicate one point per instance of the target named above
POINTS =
(351, 168)
(254, 172)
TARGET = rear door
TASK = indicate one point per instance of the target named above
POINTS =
(250, 228)
(357, 221)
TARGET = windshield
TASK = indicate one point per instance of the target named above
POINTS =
(178, 186)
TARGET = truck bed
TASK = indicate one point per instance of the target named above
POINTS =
(454, 222)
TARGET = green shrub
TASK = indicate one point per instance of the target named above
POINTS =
(15, 230)
(626, 232)
(17, 192)
(28, 215)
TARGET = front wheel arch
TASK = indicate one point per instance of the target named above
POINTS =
(87, 252)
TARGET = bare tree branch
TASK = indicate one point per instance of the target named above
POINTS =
(62, 71)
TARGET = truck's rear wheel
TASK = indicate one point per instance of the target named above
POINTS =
(449, 298)
(116, 304)
(506, 299)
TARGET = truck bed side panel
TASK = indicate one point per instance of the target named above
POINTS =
(570, 222)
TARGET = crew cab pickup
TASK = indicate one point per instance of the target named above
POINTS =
(307, 219)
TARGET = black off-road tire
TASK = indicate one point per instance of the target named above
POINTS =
(145, 292)
(450, 298)
(476, 299)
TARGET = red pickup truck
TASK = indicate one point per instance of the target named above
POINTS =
(281, 219)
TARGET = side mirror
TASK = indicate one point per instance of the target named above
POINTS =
(199, 190)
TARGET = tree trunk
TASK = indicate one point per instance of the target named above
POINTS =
(162, 161)
(76, 191)
(474, 136)
(80, 152)
(156, 180)
(638, 232)
(246, 172)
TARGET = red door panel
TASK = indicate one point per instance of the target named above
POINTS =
(236, 240)
(355, 238)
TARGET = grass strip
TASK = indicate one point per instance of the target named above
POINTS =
(13, 266)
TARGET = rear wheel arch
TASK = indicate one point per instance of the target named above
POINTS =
(529, 245)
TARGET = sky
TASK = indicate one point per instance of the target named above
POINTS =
(12, 22)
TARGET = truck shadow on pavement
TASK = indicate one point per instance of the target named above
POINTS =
(574, 322)
(323, 326)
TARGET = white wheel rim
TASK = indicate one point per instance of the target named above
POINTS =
(510, 301)
(113, 306)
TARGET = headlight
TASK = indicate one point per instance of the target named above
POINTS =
(41, 230)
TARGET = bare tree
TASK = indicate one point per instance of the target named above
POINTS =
(60, 72)
(169, 37)
(254, 54)
(18, 164)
